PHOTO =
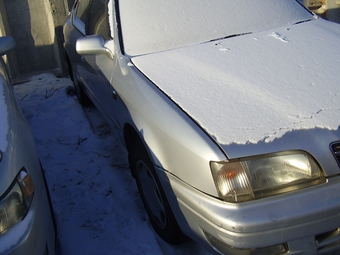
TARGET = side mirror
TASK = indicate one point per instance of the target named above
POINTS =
(92, 45)
(7, 44)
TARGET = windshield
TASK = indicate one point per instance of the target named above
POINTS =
(156, 25)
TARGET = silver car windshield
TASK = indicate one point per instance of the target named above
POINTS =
(156, 25)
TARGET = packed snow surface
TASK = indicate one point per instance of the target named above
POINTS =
(255, 87)
(97, 206)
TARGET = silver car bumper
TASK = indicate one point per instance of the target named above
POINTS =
(305, 222)
(35, 234)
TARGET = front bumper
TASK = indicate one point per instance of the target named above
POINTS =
(35, 234)
(305, 221)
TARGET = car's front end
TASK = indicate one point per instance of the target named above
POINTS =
(275, 118)
(302, 222)
(26, 217)
(26, 222)
(238, 117)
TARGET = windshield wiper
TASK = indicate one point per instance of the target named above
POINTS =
(229, 36)
(303, 21)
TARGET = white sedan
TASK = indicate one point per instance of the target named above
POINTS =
(26, 216)
(230, 114)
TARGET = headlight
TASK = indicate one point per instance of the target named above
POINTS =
(267, 175)
(15, 203)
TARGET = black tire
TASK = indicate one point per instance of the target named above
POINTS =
(155, 202)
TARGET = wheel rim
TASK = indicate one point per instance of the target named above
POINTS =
(152, 194)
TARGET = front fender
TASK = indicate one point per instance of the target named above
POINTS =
(175, 141)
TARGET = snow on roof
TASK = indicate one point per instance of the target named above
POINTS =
(157, 25)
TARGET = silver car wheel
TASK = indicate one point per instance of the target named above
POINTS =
(152, 193)
(154, 199)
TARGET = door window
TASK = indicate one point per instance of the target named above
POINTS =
(98, 23)
(81, 15)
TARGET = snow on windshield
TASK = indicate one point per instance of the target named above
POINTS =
(157, 25)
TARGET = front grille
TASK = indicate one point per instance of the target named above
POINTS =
(335, 147)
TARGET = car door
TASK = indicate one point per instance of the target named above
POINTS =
(76, 29)
(99, 68)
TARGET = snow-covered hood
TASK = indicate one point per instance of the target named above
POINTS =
(255, 88)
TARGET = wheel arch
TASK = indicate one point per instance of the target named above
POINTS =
(134, 141)
(131, 139)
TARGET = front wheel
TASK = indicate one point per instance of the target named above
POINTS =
(154, 199)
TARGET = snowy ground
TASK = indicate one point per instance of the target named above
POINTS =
(97, 206)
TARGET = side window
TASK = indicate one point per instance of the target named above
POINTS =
(82, 8)
(79, 20)
(98, 23)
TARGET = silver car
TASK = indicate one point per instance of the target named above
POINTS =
(26, 219)
(230, 114)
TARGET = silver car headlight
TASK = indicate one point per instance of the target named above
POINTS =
(267, 175)
(15, 203)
